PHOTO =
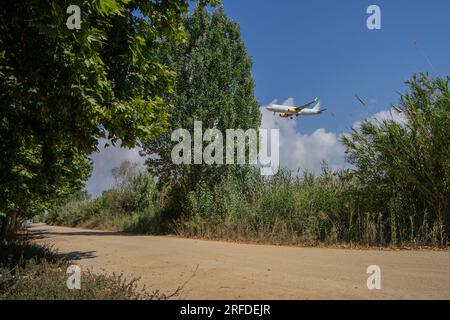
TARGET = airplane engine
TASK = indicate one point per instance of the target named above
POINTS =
(284, 115)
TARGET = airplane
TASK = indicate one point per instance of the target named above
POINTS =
(290, 111)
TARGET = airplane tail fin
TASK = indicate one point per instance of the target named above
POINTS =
(317, 107)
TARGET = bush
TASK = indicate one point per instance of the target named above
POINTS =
(32, 272)
(283, 209)
(128, 207)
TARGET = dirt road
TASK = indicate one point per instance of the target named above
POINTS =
(244, 271)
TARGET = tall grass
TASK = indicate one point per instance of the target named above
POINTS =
(329, 209)
(333, 208)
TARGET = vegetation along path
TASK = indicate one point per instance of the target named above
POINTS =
(221, 270)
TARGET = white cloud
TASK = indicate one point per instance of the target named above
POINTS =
(289, 102)
(304, 151)
(104, 161)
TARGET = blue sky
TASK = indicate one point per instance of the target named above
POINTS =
(304, 49)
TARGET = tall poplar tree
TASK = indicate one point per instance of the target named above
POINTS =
(214, 85)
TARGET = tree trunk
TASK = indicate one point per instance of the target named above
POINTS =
(19, 223)
(2, 228)
(12, 225)
(5, 227)
(7, 222)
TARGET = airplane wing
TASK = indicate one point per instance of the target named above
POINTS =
(300, 108)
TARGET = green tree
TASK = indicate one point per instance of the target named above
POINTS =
(61, 90)
(213, 85)
(405, 167)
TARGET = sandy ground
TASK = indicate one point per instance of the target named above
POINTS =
(221, 270)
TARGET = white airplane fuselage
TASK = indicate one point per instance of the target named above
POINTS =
(290, 111)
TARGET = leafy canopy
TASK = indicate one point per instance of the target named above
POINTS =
(61, 90)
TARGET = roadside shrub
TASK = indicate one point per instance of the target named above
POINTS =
(128, 207)
(32, 272)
